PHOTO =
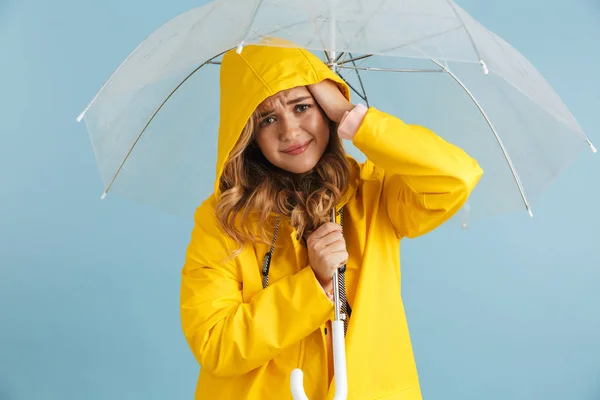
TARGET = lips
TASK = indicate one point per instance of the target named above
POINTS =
(297, 148)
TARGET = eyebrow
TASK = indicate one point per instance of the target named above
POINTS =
(293, 101)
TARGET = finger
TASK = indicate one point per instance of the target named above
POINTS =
(332, 238)
(334, 247)
(326, 241)
(336, 260)
(326, 229)
(321, 232)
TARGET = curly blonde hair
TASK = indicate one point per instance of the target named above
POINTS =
(251, 185)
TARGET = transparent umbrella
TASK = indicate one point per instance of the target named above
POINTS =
(153, 124)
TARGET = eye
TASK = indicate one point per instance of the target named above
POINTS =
(302, 108)
(267, 121)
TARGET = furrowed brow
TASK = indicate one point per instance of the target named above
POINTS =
(297, 100)
(265, 113)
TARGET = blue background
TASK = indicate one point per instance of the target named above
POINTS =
(89, 289)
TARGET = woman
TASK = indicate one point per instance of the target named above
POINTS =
(281, 169)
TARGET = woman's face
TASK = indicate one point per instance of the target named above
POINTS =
(292, 130)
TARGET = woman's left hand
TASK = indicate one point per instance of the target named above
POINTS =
(330, 99)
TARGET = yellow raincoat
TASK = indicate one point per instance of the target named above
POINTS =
(247, 339)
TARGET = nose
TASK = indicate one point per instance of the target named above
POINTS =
(289, 128)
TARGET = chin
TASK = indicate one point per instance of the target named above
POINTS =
(299, 168)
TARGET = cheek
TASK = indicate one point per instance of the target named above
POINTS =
(265, 142)
(318, 126)
(262, 141)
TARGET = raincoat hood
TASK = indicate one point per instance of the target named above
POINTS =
(258, 72)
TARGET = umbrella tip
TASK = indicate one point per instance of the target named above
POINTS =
(103, 196)
(240, 47)
(484, 67)
(80, 116)
(592, 147)
(530, 212)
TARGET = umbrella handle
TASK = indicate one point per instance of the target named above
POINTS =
(297, 385)
(339, 368)
(339, 361)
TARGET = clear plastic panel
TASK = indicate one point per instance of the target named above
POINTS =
(172, 164)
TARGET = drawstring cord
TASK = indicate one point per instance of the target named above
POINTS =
(267, 259)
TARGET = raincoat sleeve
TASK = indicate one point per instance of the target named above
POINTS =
(425, 179)
(228, 336)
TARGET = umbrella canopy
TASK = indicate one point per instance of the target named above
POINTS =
(154, 123)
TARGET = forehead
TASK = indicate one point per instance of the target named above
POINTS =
(280, 98)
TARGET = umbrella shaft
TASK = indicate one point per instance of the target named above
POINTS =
(336, 285)
(336, 296)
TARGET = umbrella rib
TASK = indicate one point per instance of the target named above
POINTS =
(361, 82)
(382, 52)
(152, 118)
(373, 15)
(451, 4)
(352, 60)
(420, 40)
(248, 30)
(339, 56)
(393, 69)
(500, 143)
(80, 117)
(401, 46)
(353, 89)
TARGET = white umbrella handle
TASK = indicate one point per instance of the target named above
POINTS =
(339, 368)
(339, 361)
(297, 384)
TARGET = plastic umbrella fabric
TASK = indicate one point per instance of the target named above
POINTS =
(153, 124)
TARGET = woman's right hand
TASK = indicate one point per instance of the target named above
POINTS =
(326, 252)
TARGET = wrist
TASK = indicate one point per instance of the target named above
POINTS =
(327, 288)
(351, 121)
(327, 285)
(339, 114)
(329, 295)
